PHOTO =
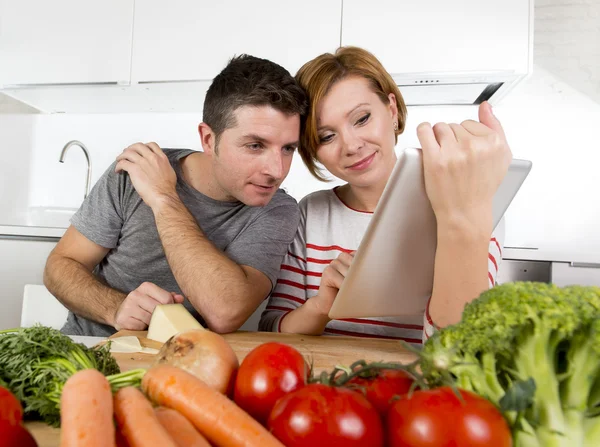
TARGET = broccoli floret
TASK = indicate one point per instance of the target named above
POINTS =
(525, 330)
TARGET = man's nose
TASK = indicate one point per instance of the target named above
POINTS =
(274, 165)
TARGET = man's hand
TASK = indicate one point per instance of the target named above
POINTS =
(331, 281)
(463, 167)
(136, 309)
(150, 171)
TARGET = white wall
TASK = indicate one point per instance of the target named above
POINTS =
(546, 121)
(105, 136)
(567, 42)
(16, 160)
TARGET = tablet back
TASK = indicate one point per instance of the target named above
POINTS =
(392, 270)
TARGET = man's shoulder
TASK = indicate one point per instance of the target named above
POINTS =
(282, 198)
(282, 208)
(177, 154)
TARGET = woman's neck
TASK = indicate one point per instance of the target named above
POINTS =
(363, 198)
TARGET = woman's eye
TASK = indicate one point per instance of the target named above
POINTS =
(325, 138)
(363, 119)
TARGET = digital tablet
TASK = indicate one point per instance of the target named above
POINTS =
(392, 271)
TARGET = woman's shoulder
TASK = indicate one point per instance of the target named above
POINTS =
(318, 198)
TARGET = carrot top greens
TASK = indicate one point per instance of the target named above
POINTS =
(36, 362)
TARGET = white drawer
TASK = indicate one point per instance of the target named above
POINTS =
(567, 273)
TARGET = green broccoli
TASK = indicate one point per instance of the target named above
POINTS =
(534, 350)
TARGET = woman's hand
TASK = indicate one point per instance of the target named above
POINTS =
(312, 317)
(331, 281)
(463, 167)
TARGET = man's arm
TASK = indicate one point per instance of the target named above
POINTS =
(68, 276)
(223, 292)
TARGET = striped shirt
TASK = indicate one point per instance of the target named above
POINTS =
(327, 228)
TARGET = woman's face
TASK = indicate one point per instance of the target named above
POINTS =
(356, 133)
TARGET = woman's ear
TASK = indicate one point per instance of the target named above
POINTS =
(393, 107)
(207, 138)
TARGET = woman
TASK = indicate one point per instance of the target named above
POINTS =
(356, 114)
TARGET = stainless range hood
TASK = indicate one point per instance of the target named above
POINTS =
(418, 89)
(427, 89)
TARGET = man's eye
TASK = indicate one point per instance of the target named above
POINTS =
(254, 146)
(290, 149)
(363, 119)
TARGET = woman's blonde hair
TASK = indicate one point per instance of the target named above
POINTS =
(319, 75)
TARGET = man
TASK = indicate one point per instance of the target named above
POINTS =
(208, 229)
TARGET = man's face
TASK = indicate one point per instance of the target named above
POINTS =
(254, 156)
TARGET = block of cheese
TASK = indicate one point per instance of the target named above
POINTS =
(129, 345)
(170, 319)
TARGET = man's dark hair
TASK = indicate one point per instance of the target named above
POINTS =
(251, 81)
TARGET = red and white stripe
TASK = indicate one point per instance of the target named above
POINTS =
(328, 228)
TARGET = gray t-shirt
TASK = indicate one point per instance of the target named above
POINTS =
(115, 216)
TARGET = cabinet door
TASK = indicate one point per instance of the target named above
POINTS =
(432, 35)
(193, 40)
(65, 41)
(22, 262)
(567, 273)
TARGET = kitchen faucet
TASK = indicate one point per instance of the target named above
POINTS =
(87, 157)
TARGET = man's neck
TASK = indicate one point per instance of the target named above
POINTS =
(196, 169)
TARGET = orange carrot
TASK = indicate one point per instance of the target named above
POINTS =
(181, 430)
(137, 421)
(86, 411)
(212, 413)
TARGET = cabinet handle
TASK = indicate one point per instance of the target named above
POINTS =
(16, 237)
(587, 265)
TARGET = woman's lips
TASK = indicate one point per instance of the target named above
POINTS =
(362, 164)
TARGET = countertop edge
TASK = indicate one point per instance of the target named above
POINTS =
(525, 254)
(37, 232)
(517, 254)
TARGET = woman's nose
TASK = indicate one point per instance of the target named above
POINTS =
(351, 143)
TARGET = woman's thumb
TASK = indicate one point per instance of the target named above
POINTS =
(487, 117)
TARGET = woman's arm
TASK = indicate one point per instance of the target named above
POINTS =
(463, 166)
(312, 316)
(493, 266)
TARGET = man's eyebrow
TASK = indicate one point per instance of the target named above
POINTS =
(292, 144)
(347, 114)
(252, 137)
(257, 138)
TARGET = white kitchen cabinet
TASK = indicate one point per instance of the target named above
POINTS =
(393, 30)
(22, 261)
(193, 40)
(65, 41)
(568, 273)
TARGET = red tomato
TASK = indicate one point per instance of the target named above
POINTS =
(15, 436)
(320, 415)
(267, 373)
(10, 407)
(438, 418)
(381, 389)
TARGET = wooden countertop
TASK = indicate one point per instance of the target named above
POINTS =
(324, 352)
